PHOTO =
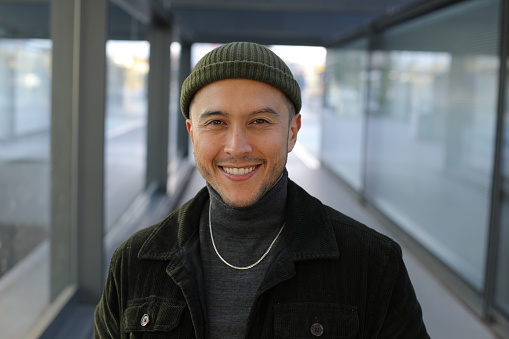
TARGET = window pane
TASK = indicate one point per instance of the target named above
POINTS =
(175, 50)
(25, 84)
(307, 64)
(126, 118)
(431, 136)
(343, 121)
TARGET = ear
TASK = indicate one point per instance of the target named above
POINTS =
(294, 130)
(189, 127)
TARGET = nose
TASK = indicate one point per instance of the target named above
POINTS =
(238, 142)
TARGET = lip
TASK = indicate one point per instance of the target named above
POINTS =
(239, 177)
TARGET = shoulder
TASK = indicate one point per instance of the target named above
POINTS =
(351, 236)
(161, 240)
(129, 249)
(362, 244)
(346, 226)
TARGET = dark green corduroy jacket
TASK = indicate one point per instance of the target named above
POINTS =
(334, 278)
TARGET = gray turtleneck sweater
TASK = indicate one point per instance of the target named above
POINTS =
(242, 236)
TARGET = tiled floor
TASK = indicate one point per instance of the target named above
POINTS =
(445, 316)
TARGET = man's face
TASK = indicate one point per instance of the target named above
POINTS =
(241, 133)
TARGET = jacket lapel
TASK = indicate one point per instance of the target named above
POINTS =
(308, 235)
(176, 240)
(173, 232)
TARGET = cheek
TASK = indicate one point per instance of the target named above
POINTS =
(276, 146)
(204, 149)
(200, 148)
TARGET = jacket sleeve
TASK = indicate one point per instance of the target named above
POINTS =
(403, 317)
(107, 312)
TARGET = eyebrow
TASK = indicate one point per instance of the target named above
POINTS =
(265, 110)
(210, 113)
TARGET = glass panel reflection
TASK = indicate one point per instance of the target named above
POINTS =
(343, 122)
(307, 65)
(24, 147)
(431, 133)
(126, 115)
(25, 85)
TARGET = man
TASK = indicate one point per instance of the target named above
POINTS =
(252, 255)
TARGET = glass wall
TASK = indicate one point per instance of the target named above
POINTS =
(126, 118)
(307, 65)
(25, 85)
(344, 111)
(50, 257)
(175, 50)
(430, 137)
(428, 142)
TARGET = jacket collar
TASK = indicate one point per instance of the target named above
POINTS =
(308, 234)
(170, 235)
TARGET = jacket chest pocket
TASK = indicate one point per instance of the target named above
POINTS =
(152, 317)
(312, 320)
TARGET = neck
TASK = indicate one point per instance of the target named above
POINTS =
(264, 215)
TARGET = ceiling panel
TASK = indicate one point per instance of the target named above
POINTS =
(270, 27)
(286, 22)
(293, 22)
(24, 20)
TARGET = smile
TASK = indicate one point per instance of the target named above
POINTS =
(238, 171)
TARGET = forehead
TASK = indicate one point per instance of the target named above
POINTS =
(238, 95)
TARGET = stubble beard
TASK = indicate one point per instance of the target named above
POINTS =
(275, 175)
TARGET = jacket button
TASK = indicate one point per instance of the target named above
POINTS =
(317, 329)
(145, 319)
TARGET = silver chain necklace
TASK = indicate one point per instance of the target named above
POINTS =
(239, 267)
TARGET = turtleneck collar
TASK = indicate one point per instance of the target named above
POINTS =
(266, 214)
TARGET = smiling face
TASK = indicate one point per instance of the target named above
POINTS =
(241, 131)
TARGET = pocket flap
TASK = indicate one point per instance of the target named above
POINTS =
(152, 314)
(306, 320)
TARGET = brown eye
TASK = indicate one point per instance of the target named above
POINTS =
(260, 121)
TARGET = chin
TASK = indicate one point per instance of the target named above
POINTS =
(240, 201)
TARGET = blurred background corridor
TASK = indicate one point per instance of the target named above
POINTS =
(405, 128)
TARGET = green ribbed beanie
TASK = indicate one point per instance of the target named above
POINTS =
(240, 60)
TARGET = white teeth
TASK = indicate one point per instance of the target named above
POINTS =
(238, 171)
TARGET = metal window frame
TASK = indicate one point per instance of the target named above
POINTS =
(495, 223)
(158, 106)
(78, 30)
